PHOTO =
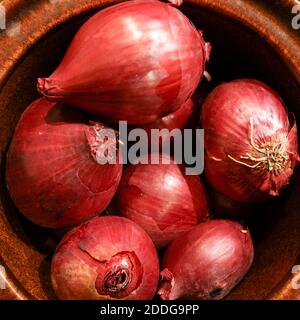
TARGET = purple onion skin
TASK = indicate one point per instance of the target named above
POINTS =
(207, 262)
(53, 172)
(251, 144)
(107, 258)
(136, 61)
(162, 199)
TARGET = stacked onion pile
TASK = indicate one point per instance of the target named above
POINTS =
(142, 61)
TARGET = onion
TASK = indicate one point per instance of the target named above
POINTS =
(136, 61)
(105, 258)
(250, 145)
(161, 199)
(206, 262)
(53, 171)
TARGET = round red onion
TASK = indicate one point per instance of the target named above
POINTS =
(207, 262)
(53, 169)
(251, 146)
(136, 61)
(105, 258)
(161, 199)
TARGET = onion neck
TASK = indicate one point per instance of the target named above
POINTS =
(176, 3)
(43, 86)
(50, 89)
(167, 290)
(120, 276)
(103, 143)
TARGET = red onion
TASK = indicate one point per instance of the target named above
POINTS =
(53, 169)
(136, 61)
(105, 258)
(251, 146)
(161, 199)
(206, 262)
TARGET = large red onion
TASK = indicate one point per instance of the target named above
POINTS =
(105, 258)
(206, 262)
(251, 144)
(53, 169)
(161, 199)
(136, 61)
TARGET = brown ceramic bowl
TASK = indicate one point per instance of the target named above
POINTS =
(250, 39)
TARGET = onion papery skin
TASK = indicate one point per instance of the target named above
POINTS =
(207, 262)
(182, 118)
(161, 199)
(136, 61)
(53, 174)
(106, 258)
(251, 147)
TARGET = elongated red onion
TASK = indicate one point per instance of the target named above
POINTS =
(136, 61)
(161, 199)
(105, 258)
(207, 262)
(251, 144)
(53, 169)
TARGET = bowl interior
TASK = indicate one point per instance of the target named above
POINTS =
(238, 52)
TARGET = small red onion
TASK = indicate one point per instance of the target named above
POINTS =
(161, 199)
(207, 262)
(251, 146)
(136, 61)
(53, 171)
(106, 258)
